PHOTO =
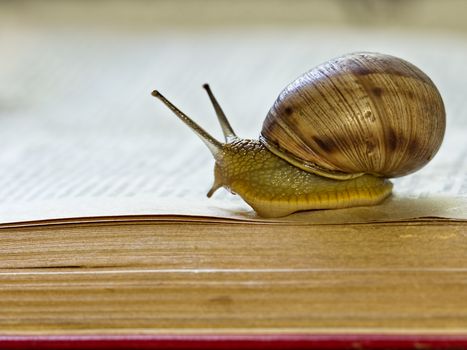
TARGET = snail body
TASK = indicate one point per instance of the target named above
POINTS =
(332, 138)
(274, 187)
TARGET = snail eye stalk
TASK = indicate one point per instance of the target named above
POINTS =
(229, 134)
(213, 145)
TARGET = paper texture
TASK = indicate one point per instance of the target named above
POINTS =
(82, 137)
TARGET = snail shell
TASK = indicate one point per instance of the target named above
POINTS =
(359, 113)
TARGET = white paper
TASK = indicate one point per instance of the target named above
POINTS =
(82, 137)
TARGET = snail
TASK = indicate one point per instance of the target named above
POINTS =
(333, 138)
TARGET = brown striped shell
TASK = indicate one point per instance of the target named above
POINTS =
(359, 113)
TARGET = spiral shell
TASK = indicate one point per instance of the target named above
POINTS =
(359, 113)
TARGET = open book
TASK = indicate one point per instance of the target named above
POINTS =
(105, 227)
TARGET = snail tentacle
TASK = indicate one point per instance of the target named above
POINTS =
(213, 145)
(229, 134)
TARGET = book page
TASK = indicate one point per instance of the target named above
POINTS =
(82, 137)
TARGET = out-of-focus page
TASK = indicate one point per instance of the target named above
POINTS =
(81, 136)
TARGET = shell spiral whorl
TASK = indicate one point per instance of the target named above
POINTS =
(359, 113)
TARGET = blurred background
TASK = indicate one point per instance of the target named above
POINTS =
(76, 76)
(420, 14)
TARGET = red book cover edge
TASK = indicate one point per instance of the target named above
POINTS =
(208, 342)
